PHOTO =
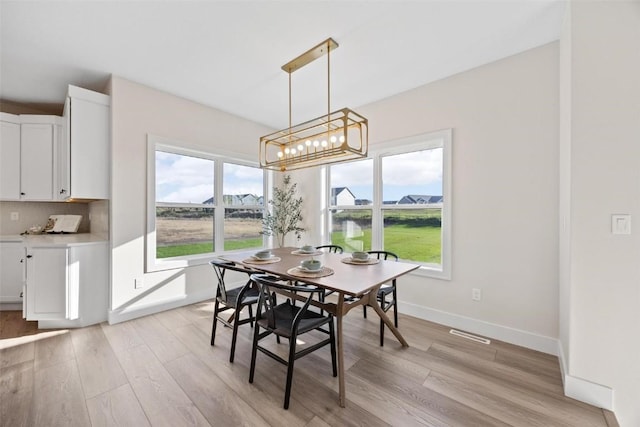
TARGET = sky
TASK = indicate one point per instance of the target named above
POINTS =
(412, 173)
(185, 179)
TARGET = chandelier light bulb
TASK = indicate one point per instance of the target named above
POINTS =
(308, 143)
(293, 151)
(300, 147)
(333, 139)
(287, 150)
(280, 154)
(324, 143)
(316, 143)
(341, 138)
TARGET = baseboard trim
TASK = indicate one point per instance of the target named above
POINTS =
(584, 390)
(133, 312)
(491, 330)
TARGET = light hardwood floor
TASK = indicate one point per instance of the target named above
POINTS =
(160, 370)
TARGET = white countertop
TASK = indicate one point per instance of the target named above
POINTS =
(75, 239)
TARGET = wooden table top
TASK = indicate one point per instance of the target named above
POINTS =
(350, 279)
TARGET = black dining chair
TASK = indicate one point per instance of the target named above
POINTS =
(384, 291)
(232, 299)
(289, 321)
(336, 249)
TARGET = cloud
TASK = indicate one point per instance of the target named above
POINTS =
(187, 179)
(419, 168)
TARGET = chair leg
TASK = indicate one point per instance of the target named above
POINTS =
(215, 321)
(364, 311)
(292, 358)
(236, 318)
(332, 337)
(395, 309)
(251, 316)
(381, 333)
(254, 351)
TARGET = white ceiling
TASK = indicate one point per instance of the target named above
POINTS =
(228, 54)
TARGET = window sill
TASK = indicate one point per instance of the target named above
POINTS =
(431, 272)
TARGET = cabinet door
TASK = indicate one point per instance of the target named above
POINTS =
(63, 161)
(9, 161)
(89, 143)
(36, 166)
(47, 282)
(11, 272)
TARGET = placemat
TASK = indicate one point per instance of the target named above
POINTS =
(262, 261)
(298, 252)
(370, 261)
(324, 271)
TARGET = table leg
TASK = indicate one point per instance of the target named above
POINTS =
(374, 304)
(340, 344)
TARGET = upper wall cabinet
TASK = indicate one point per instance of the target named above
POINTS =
(84, 158)
(28, 147)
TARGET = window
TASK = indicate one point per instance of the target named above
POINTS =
(200, 204)
(397, 200)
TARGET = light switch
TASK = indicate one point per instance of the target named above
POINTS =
(621, 224)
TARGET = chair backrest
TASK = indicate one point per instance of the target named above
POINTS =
(336, 249)
(220, 267)
(384, 255)
(268, 285)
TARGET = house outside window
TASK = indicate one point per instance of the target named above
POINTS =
(396, 200)
(200, 204)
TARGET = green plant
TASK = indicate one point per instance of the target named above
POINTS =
(285, 214)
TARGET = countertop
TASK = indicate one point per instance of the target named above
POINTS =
(75, 239)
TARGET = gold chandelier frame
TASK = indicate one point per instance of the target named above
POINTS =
(336, 137)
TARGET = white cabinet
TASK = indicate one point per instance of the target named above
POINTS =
(9, 157)
(49, 284)
(27, 154)
(84, 159)
(11, 272)
(66, 286)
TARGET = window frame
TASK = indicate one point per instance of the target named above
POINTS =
(158, 143)
(426, 141)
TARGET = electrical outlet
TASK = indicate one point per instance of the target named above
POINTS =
(476, 294)
(137, 283)
(15, 216)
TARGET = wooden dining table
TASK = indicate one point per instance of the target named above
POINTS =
(354, 283)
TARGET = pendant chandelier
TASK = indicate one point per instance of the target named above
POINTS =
(335, 137)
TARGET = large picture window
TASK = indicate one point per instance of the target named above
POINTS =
(396, 200)
(200, 204)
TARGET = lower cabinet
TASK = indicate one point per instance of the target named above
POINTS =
(66, 286)
(11, 272)
(50, 289)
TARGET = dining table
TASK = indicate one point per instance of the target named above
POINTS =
(354, 282)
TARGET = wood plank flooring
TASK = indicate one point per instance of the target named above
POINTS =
(160, 370)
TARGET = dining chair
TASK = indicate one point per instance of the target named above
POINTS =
(289, 321)
(384, 291)
(336, 249)
(232, 299)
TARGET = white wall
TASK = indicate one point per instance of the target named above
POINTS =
(505, 195)
(136, 111)
(604, 278)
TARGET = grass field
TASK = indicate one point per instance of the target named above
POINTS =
(191, 237)
(415, 243)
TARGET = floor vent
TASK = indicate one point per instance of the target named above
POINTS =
(469, 336)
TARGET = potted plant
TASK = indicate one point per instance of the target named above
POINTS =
(285, 214)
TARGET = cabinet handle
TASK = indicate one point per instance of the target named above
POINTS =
(29, 256)
(63, 191)
(21, 294)
(21, 260)
(22, 194)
